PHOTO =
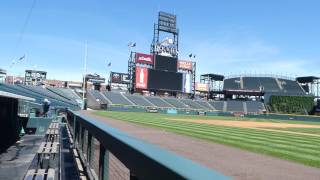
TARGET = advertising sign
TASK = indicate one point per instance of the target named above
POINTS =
(187, 83)
(144, 58)
(187, 65)
(121, 78)
(141, 78)
(202, 87)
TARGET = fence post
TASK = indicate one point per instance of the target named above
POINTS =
(103, 163)
(90, 148)
(74, 128)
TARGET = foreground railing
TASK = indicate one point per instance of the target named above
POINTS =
(105, 152)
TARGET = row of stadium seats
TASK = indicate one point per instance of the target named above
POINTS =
(268, 84)
(39, 94)
(170, 102)
(67, 94)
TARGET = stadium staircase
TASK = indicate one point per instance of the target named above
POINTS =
(241, 83)
(225, 106)
(245, 109)
(279, 84)
(176, 102)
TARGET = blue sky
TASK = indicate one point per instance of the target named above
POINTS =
(228, 37)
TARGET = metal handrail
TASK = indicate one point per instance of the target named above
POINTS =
(144, 160)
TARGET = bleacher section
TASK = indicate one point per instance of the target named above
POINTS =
(117, 98)
(254, 106)
(157, 101)
(218, 105)
(175, 102)
(66, 93)
(205, 104)
(251, 83)
(291, 87)
(269, 84)
(39, 94)
(97, 96)
(232, 83)
(139, 100)
(192, 104)
(235, 106)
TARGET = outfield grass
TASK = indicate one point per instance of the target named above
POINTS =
(299, 148)
(301, 130)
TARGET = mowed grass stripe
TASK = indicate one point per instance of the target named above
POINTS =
(228, 136)
(259, 133)
(246, 139)
(312, 160)
(310, 146)
(195, 117)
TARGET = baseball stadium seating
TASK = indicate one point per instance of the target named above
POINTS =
(97, 96)
(175, 102)
(235, 106)
(204, 104)
(268, 84)
(139, 100)
(251, 83)
(157, 101)
(254, 106)
(291, 86)
(39, 94)
(192, 104)
(66, 93)
(232, 83)
(117, 98)
(218, 105)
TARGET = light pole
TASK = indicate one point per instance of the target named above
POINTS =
(84, 76)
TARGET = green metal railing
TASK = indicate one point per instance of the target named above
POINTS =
(98, 144)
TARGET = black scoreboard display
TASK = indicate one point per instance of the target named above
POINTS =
(164, 80)
(164, 63)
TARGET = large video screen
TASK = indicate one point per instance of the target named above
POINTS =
(165, 63)
(164, 80)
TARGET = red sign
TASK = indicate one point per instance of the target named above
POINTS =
(202, 87)
(185, 65)
(141, 78)
(144, 58)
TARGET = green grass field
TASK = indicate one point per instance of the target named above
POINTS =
(299, 148)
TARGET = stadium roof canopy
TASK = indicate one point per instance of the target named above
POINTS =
(15, 96)
(215, 77)
(307, 79)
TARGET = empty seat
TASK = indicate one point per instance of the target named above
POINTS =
(218, 105)
(175, 102)
(254, 106)
(291, 87)
(139, 100)
(251, 83)
(117, 98)
(204, 104)
(235, 106)
(157, 101)
(269, 84)
(192, 104)
(232, 83)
